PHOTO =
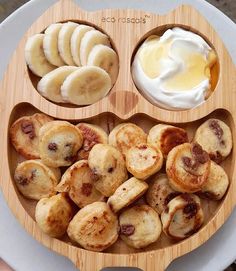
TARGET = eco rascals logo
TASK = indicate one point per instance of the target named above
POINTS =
(126, 20)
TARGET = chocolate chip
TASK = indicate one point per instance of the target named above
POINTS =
(110, 169)
(215, 127)
(196, 149)
(199, 157)
(90, 138)
(203, 158)
(86, 189)
(127, 229)
(22, 180)
(190, 209)
(52, 146)
(189, 164)
(187, 161)
(27, 127)
(68, 144)
(222, 142)
(142, 147)
(199, 154)
(33, 174)
(216, 157)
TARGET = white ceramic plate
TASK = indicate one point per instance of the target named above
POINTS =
(17, 247)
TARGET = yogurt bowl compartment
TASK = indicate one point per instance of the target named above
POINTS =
(175, 68)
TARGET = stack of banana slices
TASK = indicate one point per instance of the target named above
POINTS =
(76, 63)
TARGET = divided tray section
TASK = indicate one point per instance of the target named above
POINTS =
(215, 212)
(126, 28)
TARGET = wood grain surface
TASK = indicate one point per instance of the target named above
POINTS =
(19, 97)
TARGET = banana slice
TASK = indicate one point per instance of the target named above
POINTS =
(53, 215)
(76, 40)
(105, 58)
(50, 85)
(50, 45)
(182, 217)
(35, 57)
(140, 226)
(89, 40)
(94, 227)
(78, 182)
(126, 194)
(64, 42)
(85, 86)
(92, 135)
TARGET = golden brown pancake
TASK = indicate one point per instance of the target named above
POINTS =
(188, 167)
(166, 137)
(24, 134)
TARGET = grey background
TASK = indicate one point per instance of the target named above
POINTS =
(226, 6)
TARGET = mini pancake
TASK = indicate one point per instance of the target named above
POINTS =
(140, 226)
(92, 135)
(215, 137)
(35, 180)
(159, 192)
(182, 217)
(127, 193)
(53, 215)
(24, 134)
(143, 160)
(188, 167)
(94, 227)
(166, 137)
(108, 167)
(78, 182)
(59, 142)
(126, 135)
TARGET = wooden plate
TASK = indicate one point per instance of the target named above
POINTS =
(126, 28)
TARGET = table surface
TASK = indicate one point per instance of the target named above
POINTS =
(24, 253)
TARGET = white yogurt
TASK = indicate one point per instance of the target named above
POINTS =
(174, 70)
